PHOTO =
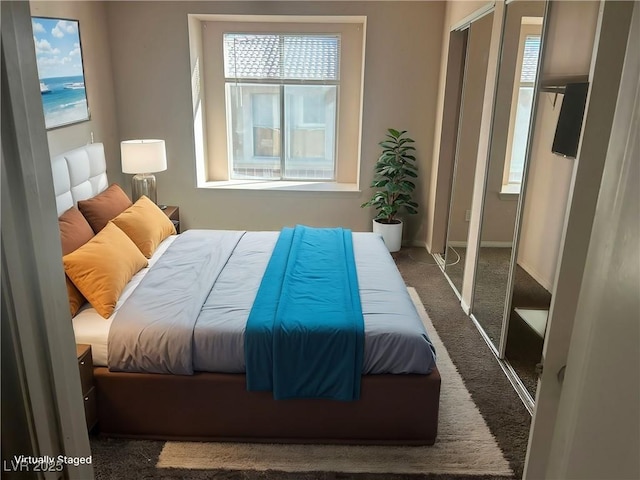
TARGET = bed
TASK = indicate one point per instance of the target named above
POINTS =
(399, 387)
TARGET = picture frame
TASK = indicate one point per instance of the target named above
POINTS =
(60, 63)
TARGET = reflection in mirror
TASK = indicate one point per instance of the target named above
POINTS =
(478, 42)
(527, 326)
(509, 137)
(543, 217)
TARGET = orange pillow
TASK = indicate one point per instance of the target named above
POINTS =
(146, 225)
(103, 266)
(104, 207)
(76, 299)
(74, 232)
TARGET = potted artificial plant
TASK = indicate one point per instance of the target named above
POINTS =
(393, 173)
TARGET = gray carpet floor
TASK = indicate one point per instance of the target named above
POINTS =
(524, 346)
(455, 258)
(498, 403)
(492, 276)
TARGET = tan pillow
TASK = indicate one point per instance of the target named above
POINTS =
(104, 207)
(74, 232)
(102, 267)
(146, 225)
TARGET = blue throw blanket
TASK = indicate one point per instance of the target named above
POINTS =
(305, 333)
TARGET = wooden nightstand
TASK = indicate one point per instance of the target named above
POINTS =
(173, 213)
(85, 365)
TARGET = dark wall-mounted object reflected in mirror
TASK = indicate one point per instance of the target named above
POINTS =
(544, 207)
(565, 141)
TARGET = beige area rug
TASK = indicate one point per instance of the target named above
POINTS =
(464, 444)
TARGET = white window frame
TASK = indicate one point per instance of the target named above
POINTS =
(210, 128)
(282, 126)
(526, 30)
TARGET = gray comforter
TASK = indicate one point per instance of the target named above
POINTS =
(189, 312)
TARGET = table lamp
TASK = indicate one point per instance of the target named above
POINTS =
(143, 157)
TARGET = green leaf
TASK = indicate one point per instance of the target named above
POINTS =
(408, 184)
(394, 166)
(411, 210)
(406, 148)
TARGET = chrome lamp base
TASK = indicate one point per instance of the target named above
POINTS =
(144, 184)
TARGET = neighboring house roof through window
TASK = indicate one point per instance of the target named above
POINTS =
(291, 57)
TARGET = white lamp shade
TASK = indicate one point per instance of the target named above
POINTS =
(143, 156)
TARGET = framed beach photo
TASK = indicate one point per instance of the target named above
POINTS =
(60, 70)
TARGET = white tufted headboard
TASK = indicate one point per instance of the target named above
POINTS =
(78, 174)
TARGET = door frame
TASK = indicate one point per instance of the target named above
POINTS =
(604, 78)
(34, 296)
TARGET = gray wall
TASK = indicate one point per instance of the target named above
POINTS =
(437, 207)
(499, 214)
(468, 136)
(549, 181)
(545, 205)
(98, 80)
(150, 60)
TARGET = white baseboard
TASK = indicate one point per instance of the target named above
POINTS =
(457, 244)
(483, 244)
(465, 307)
(545, 282)
(496, 244)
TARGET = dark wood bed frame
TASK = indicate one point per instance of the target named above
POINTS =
(393, 409)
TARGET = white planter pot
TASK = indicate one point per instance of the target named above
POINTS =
(391, 234)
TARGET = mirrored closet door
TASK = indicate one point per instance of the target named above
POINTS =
(521, 40)
(508, 304)
(478, 38)
(503, 262)
(561, 96)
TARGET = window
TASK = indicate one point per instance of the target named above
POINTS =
(277, 101)
(281, 97)
(521, 109)
(265, 118)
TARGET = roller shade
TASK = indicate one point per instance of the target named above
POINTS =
(530, 59)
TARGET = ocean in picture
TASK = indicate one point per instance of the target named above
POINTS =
(64, 100)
